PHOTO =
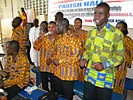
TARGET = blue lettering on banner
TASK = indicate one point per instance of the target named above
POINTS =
(80, 4)
(115, 20)
(71, 5)
(92, 3)
(111, 20)
(118, 20)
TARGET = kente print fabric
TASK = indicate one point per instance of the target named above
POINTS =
(68, 52)
(122, 69)
(106, 47)
(19, 71)
(20, 36)
(46, 47)
(82, 38)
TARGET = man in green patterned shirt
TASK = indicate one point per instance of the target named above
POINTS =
(104, 51)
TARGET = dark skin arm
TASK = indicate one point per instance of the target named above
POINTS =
(48, 61)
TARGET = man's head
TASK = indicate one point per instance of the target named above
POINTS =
(58, 16)
(52, 27)
(62, 26)
(36, 22)
(101, 14)
(12, 47)
(44, 26)
(16, 22)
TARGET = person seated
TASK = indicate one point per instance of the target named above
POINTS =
(16, 70)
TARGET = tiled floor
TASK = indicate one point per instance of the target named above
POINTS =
(130, 95)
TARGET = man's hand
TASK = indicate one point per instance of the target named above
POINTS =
(56, 62)
(3, 73)
(48, 61)
(98, 66)
(83, 63)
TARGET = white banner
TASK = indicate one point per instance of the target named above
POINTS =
(120, 10)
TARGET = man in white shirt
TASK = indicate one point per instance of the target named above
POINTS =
(33, 35)
(35, 55)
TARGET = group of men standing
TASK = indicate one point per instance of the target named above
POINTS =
(60, 53)
(100, 52)
(65, 52)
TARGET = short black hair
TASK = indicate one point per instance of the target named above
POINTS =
(104, 4)
(44, 22)
(18, 19)
(52, 22)
(36, 20)
(59, 14)
(14, 45)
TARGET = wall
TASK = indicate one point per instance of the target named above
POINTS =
(9, 11)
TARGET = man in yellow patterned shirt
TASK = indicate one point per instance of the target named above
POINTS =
(45, 43)
(67, 55)
(19, 34)
(17, 69)
(104, 51)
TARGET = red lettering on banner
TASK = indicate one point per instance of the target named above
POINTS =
(88, 20)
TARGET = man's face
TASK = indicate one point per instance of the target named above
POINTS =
(52, 28)
(15, 23)
(59, 28)
(101, 15)
(57, 18)
(43, 26)
(9, 49)
(35, 22)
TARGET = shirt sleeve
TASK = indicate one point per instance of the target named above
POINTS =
(21, 37)
(87, 46)
(117, 53)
